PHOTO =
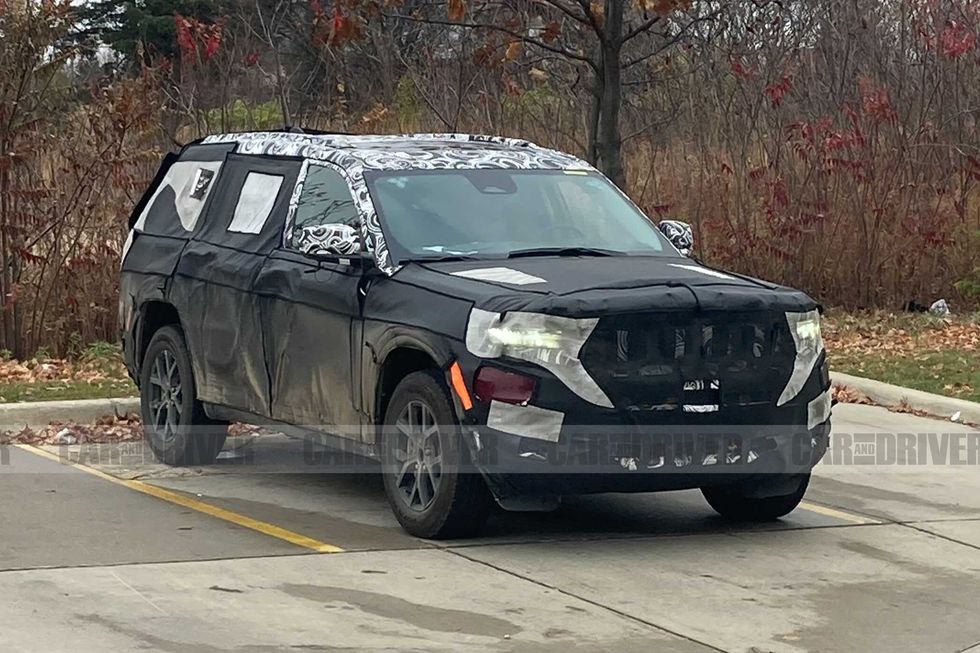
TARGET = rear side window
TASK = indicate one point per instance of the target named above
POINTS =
(325, 199)
(183, 190)
(255, 202)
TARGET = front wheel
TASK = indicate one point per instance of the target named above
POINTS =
(734, 501)
(174, 424)
(430, 493)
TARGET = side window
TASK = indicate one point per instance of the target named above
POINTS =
(190, 183)
(255, 202)
(325, 199)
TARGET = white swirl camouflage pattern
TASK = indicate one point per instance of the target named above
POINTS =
(355, 155)
(337, 238)
(679, 234)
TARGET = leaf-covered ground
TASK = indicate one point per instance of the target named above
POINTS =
(110, 428)
(98, 372)
(915, 350)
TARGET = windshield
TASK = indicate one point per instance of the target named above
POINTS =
(499, 213)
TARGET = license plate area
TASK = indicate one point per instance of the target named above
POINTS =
(677, 451)
(701, 396)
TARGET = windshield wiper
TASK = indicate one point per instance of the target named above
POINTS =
(441, 258)
(564, 251)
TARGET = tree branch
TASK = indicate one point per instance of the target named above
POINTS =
(639, 29)
(524, 38)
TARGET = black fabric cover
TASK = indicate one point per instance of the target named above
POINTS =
(308, 309)
(592, 286)
(278, 334)
(212, 288)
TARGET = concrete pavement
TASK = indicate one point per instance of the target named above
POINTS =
(54, 516)
(881, 558)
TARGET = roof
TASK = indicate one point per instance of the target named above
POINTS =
(407, 151)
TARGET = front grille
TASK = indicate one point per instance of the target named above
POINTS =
(670, 361)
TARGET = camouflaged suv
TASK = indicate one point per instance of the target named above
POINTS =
(492, 320)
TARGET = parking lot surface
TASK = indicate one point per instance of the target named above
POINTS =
(118, 555)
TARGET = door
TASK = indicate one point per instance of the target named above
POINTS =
(311, 314)
(213, 284)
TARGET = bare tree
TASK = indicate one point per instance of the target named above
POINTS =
(604, 42)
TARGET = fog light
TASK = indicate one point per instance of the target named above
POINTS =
(510, 388)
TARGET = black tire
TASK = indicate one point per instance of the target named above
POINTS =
(174, 424)
(452, 502)
(731, 502)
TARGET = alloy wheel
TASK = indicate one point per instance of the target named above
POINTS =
(166, 400)
(418, 454)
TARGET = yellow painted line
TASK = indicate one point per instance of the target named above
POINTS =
(199, 506)
(827, 511)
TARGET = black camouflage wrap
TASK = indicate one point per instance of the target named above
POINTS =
(278, 334)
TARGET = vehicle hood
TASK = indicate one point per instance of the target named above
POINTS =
(594, 286)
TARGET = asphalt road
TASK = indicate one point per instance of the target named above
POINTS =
(880, 558)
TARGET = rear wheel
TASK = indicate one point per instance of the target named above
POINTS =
(174, 424)
(733, 501)
(430, 492)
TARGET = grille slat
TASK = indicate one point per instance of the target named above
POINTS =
(642, 360)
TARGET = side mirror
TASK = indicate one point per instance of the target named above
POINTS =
(328, 240)
(679, 234)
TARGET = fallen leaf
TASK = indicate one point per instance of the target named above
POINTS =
(456, 10)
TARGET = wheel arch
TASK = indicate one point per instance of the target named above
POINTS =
(401, 355)
(153, 316)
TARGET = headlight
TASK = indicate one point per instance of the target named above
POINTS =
(808, 332)
(550, 341)
(805, 329)
(533, 339)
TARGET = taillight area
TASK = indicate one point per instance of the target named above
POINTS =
(508, 387)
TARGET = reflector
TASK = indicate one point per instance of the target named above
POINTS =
(508, 387)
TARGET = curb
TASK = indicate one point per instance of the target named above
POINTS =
(38, 414)
(886, 394)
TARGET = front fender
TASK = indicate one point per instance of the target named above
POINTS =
(380, 340)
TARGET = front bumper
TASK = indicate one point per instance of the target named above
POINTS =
(561, 444)
(644, 461)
